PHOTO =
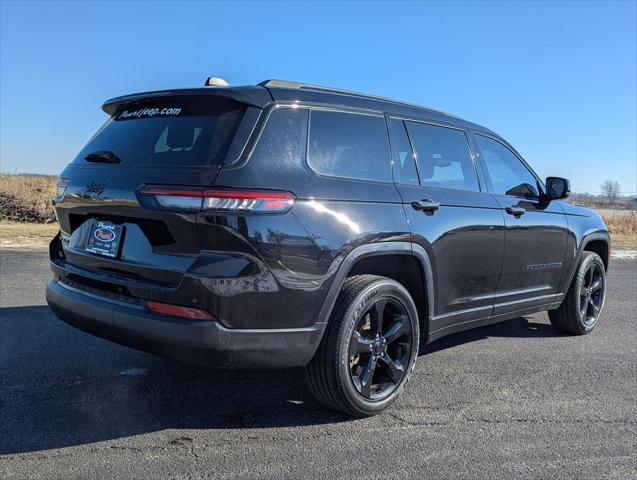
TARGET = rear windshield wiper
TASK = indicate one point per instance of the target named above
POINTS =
(102, 157)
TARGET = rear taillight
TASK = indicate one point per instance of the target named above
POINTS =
(248, 201)
(178, 311)
(221, 200)
(176, 197)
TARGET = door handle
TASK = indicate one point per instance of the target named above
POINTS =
(515, 211)
(426, 205)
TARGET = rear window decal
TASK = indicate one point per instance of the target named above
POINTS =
(149, 112)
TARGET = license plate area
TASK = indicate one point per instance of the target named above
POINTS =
(105, 239)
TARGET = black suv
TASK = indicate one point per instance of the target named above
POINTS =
(291, 225)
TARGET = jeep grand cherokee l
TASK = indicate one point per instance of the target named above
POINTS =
(291, 225)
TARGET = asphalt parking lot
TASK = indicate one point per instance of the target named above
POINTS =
(514, 400)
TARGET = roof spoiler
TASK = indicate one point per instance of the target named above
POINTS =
(250, 95)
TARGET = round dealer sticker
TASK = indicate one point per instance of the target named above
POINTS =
(104, 235)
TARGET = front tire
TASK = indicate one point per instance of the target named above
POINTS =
(582, 307)
(369, 350)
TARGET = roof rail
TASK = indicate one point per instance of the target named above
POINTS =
(318, 88)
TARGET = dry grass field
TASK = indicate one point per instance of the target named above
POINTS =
(622, 225)
(27, 198)
(27, 217)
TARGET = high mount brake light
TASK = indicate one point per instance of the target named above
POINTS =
(221, 200)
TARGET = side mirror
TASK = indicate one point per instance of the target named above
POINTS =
(557, 188)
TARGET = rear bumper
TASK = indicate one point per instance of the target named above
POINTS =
(196, 342)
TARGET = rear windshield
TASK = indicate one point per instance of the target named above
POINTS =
(175, 131)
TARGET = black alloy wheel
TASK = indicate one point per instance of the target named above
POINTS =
(380, 349)
(582, 306)
(591, 294)
(369, 349)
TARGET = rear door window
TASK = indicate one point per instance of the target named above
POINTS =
(443, 156)
(349, 145)
(171, 131)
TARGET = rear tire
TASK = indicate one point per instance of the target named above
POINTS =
(582, 307)
(369, 349)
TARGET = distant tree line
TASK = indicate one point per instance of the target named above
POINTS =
(610, 196)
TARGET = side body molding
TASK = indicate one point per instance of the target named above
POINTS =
(374, 249)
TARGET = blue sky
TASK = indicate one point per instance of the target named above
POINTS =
(558, 80)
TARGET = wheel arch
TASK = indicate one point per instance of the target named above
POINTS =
(373, 259)
(598, 242)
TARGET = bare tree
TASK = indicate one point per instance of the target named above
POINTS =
(611, 189)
